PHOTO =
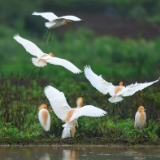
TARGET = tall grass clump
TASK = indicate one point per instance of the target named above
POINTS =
(19, 101)
(20, 98)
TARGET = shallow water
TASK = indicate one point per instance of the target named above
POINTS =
(79, 153)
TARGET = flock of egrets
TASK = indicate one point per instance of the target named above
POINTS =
(57, 99)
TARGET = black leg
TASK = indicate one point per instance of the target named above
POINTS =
(39, 74)
(50, 37)
(123, 113)
(32, 71)
(47, 35)
(113, 108)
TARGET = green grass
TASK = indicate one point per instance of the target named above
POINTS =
(20, 99)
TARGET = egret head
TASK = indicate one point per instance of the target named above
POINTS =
(121, 83)
(43, 106)
(79, 102)
(52, 55)
(141, 109)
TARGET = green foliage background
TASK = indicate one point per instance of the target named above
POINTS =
(115, 59)
(108, 56)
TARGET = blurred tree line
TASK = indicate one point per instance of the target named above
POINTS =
(17, 13)
(109, 56)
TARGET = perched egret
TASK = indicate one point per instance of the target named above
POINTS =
(140, 118)
(117, 92)
(43, 58)
(44, 117)
(55, 21)
(68, 114)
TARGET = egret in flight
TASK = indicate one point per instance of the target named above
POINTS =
(66, 113)
(43, 58)
(116, 92)
(55, 21)
(44, 117)
(140, 118)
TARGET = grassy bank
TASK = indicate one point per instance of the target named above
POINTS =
(21, 97)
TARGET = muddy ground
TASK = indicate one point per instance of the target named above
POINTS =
(80, 141)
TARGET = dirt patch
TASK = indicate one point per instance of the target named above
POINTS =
(79, 141)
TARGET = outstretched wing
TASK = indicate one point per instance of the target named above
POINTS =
(29, 46)
(47, 15)
(131, 89)
(72, 18)
(88, 110)
(97, 81)
(57, 101)
(62, 62)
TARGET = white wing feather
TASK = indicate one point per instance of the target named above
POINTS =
(131, 89)
(47, 15)
(136, 119)
(57, 101)
(88, 110)
(66, 133)
(48, 122)
(29, 46)
(97, 81)
(49, 24)
(72, 18)
(68, 65)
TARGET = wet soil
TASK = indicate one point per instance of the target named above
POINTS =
(80, 141)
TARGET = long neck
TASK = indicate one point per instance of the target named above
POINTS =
(79, 106)
(79, 102)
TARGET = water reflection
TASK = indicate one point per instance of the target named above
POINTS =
(79, 153)
(69, 154)
(45, 157)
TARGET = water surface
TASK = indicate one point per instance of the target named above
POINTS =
(79, 153)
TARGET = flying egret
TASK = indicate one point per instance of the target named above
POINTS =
(117, 92)
(55, 21)
(44, 117)
(43, 58)
(68, 114)
(140, 118)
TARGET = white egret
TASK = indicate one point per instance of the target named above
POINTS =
(117, 92)
(44, 117)
(140, 118)
(68, 114)
(55, 21)
(43, 58)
